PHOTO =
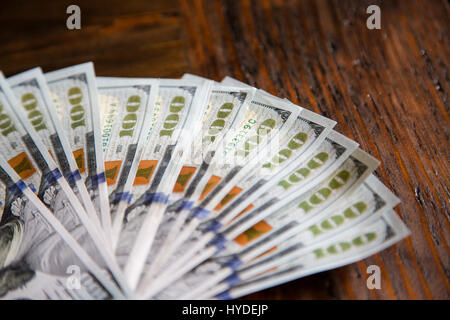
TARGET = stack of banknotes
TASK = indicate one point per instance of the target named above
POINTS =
(135, 188)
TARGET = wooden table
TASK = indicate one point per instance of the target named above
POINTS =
(387, 88)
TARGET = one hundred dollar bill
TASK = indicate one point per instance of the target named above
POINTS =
(370, 198)
(25, 152)
(31, 90)
(306, 134)
(367, 203)
(287, 187)
(348, 177)
(226, 108)
(36, 250)
(267, 120)
(359, 243)
(238, 151)
(126, 109)
(317, 165)
(74, 92)
(179, 104)
(342, 182)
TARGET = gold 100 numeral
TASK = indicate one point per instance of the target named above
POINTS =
(30, 104)
(77, 112)
(130, 120)
(219, 123)
(171, 121)
(264, 129)
(6, 125)
(295, 143)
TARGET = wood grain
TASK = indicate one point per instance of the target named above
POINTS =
(387, 88)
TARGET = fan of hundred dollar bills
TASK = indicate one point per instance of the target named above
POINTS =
(134, 188)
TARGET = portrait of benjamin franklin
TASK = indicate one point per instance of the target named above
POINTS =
(29, 246)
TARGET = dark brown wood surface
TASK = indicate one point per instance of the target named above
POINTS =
(387, 88)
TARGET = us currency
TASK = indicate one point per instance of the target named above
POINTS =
(74, 93)
(226, 108)
(179, 104)
(27, 155)
(367, 203)
(320, 162)
(299, 141)
(340, 183)
(371, 198)
(356, 168)
(302, 206)
(237, 153)
(341, 250)
(267, 120)
(306, 133)
(36, 249)
(126, 107)
(30, 88)
(326, 157)
(227, 171)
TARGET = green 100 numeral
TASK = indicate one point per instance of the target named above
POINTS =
(301, 174)
(295, 143)
(29, 102)
(171, 121)
(130, 120)
(77, 112)
(343, 246)
(6, 126)
(219, 123)
(337, 220)
(264, 129)
(338, 181)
